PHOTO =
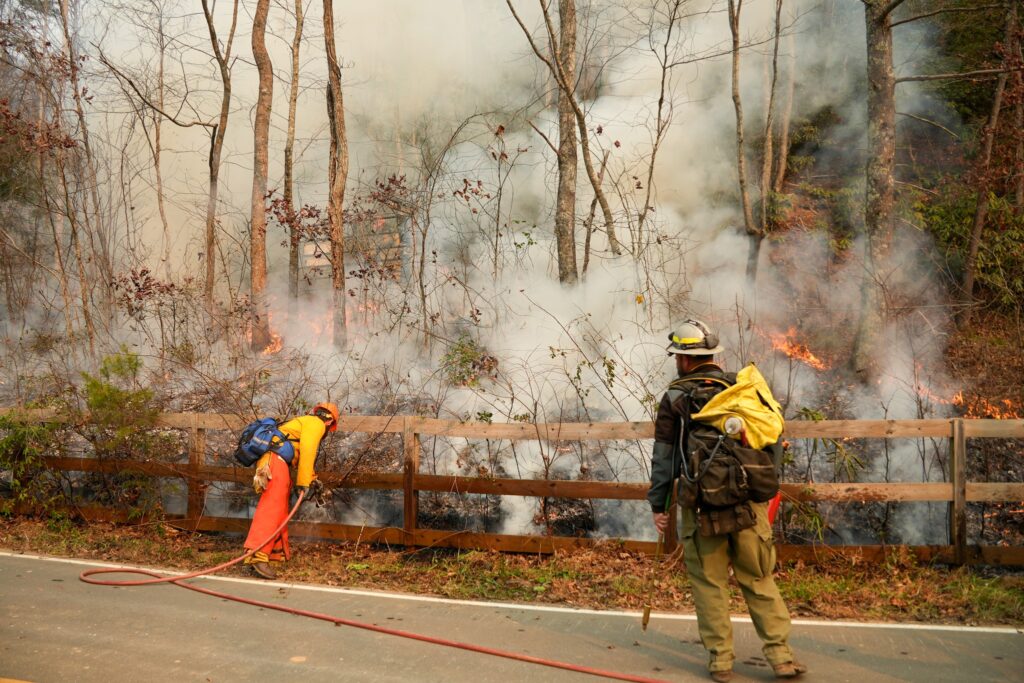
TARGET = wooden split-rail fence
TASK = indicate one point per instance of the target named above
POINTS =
(957, 492)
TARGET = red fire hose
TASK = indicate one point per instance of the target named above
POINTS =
(339, 621)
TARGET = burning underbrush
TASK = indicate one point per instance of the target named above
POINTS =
(789, 344)
(986, 373)
(988, 359)
(989, 370)
(460, 512)
(997, 461)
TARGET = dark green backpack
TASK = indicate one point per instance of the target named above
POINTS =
(717, 470)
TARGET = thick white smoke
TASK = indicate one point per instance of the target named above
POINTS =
(414, 71)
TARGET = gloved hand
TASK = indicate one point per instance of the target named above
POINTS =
(318, 493)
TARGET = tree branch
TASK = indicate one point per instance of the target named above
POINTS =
(546, 138)
(529, 38)
(965, 74)
(26, 255)
(944, 10)
(149, 103)
(928, 121)
(721, 53)
(887, 10)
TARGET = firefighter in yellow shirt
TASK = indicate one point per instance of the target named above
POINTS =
(273, 482)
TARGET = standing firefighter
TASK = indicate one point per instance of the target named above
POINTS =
(273, 482)
(723, 522)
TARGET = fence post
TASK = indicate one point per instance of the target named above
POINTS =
(958, 475)
(410, 497)
(196, 458)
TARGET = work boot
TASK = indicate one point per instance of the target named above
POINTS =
(722, 676)
(264, 570)
(788, 669)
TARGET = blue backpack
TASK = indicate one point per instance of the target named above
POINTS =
(261, 436)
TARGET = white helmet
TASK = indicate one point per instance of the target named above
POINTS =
(694, 338)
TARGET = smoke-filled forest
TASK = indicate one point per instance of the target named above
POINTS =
(496, 212)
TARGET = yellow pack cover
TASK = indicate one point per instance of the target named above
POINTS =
(751, 400)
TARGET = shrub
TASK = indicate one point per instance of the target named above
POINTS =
(121, 425)
(23, 446)
(466, 362)
(1000, 266)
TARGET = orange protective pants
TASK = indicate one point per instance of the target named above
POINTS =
(270, 512)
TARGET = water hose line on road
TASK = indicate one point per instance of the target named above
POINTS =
(87, 575)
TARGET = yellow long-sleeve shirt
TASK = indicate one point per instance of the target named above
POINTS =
(305, 432)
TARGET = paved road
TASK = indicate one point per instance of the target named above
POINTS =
(55, 628)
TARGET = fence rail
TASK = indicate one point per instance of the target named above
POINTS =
(197, 474)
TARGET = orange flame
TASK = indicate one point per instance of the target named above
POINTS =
(318, 325)
(786, 343)
(275, 345)
(369, 307)
(979, 407)
(924, 392)
(1003, 409)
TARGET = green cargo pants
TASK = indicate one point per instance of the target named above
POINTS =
(752, 556)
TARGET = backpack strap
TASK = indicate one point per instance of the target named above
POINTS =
(684, 430)
(684, 434)
(281, 422)
(678, 383)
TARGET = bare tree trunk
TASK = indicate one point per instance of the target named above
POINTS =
(261, 134)
(93, 225)
(767, 198)
(782, 157)
(421, 276)
(50, 211)
(1018, 127)
(289, 149)
(984, 179)
(85, 283)
(566, 85)
(157, 147)
(65, 286)
(58, 246)
(735, 7)
(160, 203)
(83, 278)
(1018, 124)
(879, 200)
(588, 226)
(217, 145)
(981, 204)
(565, 202)
(338, 176)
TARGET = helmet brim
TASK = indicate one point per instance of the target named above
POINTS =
(694, 352)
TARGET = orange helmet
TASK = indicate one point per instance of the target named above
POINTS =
(320, 408)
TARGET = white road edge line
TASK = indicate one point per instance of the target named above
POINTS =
(512, 605)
